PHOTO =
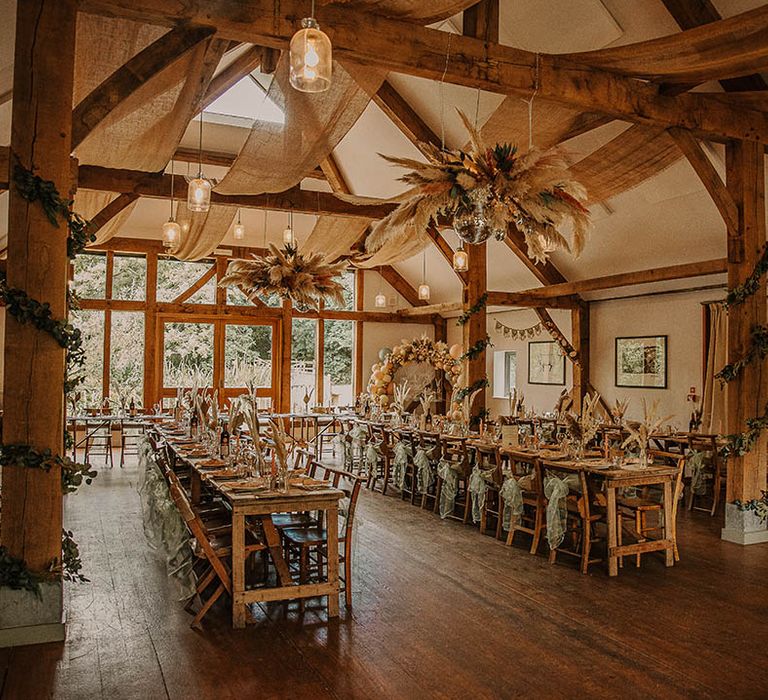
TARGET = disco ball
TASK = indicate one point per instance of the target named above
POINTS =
(472, 226)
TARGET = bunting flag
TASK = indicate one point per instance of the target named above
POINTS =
(518, 333)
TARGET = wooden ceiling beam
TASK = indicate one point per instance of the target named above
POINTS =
(547, 273)
(709, 177)
(127, 244)
(224, 160)
(445, 250)
(366, 38)
(404, 117)
(126, 80)
(401, 285)
(110, 211)
(241, 66)
(482, 21)
(690, 14)
(627, 279)
(529, 300)
(158, 186)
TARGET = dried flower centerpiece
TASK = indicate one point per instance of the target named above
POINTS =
(582, 429)
(485, 190)
(305, 279)
(640, 431)
(618, 410)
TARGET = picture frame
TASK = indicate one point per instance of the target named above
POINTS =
(546, 363)
(640, 362)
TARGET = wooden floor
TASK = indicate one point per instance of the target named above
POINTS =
(439, 612)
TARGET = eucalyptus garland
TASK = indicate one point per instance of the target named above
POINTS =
(478, 306)
(758, 348)
(738, 295)
(71, 565)
(27, 310)
(738, 444)
(73, 474)
(758, 505)
(15, 574)
(34, 189)
(462, 394)
(476, 349)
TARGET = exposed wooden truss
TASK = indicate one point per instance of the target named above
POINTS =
(367, 38)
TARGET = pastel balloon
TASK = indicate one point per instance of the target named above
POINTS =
(384, 353)
(455, 351)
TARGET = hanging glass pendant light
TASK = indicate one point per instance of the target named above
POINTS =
(424, 290)
(239, 230)
(199, 191)
(460, 259)
(171, 230)
(311, 61)
(288, 232)
(380, 301)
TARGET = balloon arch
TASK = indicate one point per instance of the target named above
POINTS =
(381, 384)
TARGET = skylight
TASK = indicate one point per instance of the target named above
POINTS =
(245, 102)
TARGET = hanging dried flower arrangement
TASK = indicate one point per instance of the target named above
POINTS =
(485, 190)
(306, 280)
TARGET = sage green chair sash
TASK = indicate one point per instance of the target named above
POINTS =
(694, 467)
(479, 482)
(400, 463)
(556, 490)
(425, 474)
(449, 488)
(512, 494)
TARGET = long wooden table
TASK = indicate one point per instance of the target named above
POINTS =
(261, 505)
(613, 479)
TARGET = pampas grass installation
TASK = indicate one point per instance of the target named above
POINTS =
(534, 192)
(306, 280)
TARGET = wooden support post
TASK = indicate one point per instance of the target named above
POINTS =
(475, 329)
(151, 385)
(320, 361)
(286, 331)
(580, 342)
(37, 263)
(441, 335)
(359, 379)
(747, 394)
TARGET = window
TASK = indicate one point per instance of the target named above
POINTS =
(126, 365)
(90, 276)
(303, 361)
(176, 276)
(91, 325)
(504, 373)
(347, 280)
(245, 102)
(129, 277)
(247, 356)
(338, 362)
(188, 354)
(236, 298)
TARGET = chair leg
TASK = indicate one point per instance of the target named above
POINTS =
(639, 521)
(537, 528)
(716, 485)
(586, 545)
(386, 476)
(348, 579)
(467, 504)
(206, 607)
(303, 569)
(438, 490)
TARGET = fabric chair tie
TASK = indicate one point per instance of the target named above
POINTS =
(479, 482)
(400, 463)
(511, 493)
(556, 490)
(694, 467)
(450, 487)
(372, 455)
(425, 475)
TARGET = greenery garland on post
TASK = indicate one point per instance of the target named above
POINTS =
(13, 571)
(738, 444)
(477, 307)
(476, 349)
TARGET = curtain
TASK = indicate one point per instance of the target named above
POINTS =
(714, 409)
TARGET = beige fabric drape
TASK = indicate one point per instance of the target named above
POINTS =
(275, 157)
(202, 233)
(725, 49)
(144, 131)
(88, 203)
(421, 11)
(625, 161)
(334, 236)
(713, 417)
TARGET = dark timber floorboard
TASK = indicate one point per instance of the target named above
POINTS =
(439, 612)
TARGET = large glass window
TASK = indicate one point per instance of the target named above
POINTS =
(347, 280)
(303, 361)
(90, 280)
(247, 356)
(126, 365)
(129, 277)
(504, 373)
(188, 354)
(91, 325)
(236, 298)
(176, 276)
(338, 354)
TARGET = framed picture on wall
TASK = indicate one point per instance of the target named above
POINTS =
(642, 362)
(546, 363)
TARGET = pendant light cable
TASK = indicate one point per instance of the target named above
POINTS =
(442, 97)
(200, 148)
(172, 175)
(530, 100)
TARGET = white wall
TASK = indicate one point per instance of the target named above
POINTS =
(678, 316)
